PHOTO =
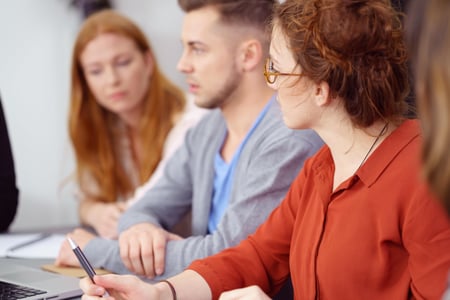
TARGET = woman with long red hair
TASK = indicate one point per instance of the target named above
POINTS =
(125, 115)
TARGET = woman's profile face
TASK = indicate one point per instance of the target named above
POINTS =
(117, 73)
(294, 92)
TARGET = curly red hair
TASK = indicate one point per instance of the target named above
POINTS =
(357, 47)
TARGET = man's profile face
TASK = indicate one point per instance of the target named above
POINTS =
(209, 58)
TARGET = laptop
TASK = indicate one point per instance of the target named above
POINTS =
(22, 282)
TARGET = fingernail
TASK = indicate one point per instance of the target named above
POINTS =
(158, 272)
(99, 291)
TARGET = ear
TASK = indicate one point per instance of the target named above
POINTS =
(322, 93)
(250, 54)
(150, 62)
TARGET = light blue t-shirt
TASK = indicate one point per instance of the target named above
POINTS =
(224, 176)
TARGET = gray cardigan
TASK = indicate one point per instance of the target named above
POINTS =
(268, 163)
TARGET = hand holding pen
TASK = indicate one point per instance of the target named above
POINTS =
(83, 261)
(130, 287)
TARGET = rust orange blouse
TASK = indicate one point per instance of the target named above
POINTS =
(379, 235)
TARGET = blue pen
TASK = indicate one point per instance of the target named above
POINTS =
(83, 261)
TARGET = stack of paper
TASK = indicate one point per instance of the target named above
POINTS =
(30, 245)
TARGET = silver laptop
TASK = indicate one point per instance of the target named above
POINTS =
(36, 283)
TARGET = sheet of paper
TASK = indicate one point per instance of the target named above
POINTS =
(43, 248)
(8, 241)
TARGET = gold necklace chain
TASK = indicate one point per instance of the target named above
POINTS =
(383, 131)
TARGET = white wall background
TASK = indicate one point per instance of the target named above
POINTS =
(35, 49)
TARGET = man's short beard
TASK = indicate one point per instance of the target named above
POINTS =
(223, 95)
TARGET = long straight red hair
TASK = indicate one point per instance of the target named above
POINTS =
(90, 125)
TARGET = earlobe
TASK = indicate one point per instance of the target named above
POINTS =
(322, 93)
(251, 54)
(150, 62)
